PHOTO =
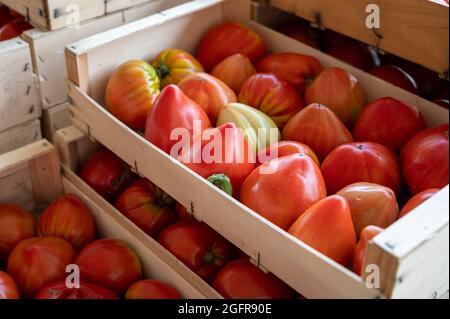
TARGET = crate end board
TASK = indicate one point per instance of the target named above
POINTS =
(20, 135)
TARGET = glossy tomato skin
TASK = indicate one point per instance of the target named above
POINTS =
(360, 254)
(149, 207)
(109, 263)
(418, 200)
(87, 291)
(107, 174)
(361, 162)
(272, 96)
(356, 54)
(389, 122)
(425, 160)
(14, 29)
(173, 65)
(396, 76)
(443, 103)
(151, 289)
(131, 92)
(37, 262)
(198, 246)
(282, 189)
(297, 69)
(285, 148)
(234, 71)
(174, 110)
(319, 128)
(16, 224)
(240, 279)
(327, 227)
(340, 91)
(210, 93)
(227, 39)
(8, 287)
(69, 219)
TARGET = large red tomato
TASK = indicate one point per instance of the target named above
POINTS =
(272, 96)
(86, 291)
(417, 200)
(14, 29)
(109, 263)
(16, 224)
(240, 279)
(360, 254)
(297, 69)
(151, 289)
(131, 93)
(282, 189)
(70, 219)
(107, 174)
(8, 287)
(149, 207)
(389, 122)
(356, 54)
(327, 227)
(361, 162)
(340, 91)
(227, 39)
(174, 65)
(5, 15)
(173, 111)
(396, 76)
(285, 148)
(425, 160)
(210, 93)
(198, 246)
(37, 262)
(319, 128)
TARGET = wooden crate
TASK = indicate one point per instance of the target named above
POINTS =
(20, 135)
(54, 119)
(90, 63)
(31, 177)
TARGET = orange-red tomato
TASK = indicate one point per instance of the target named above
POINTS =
(14, 29)
(210, 93)
(8, 287)
(151, 289)
(131, 93)
(361, 162)
(69, 219)
(425, 160)
(59, 291)
(37, 262)
(285, 148)
(273, 96)
(327, 227)
(240, 279)
(417, 200)
(319, 128)
(227, 39)
(234, 71)
(16, 224)
(340, 91)
(360, 254)
(282, 189)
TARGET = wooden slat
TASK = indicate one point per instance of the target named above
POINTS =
(54, 119)
(20, 135)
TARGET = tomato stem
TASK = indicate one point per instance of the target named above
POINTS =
(222, 182)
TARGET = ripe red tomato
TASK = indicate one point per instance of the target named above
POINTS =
(174, 65)
(389, 122)
(107, 174)
(360, 254)
(149, 207)
(37, 262)
(297, 69)
(210, 93)
(361, 162)
(5, 15)
(227, 39)
(8, 287)
(14, 29)
(319, 128)
(300, 32)
(151, 289)
(240, 279)
(425, 160)
(198, 246)
(69, 219)
(131, 92)
(356, 54)
(234, 71)
(273, 96)
(109, 263)
(182, 213)
(396, 76)
(174, 110)
(331, 38)
(417, 200)
(282, 189)
(327, 227)
(285, 148)
(340, 91)
(16, 14)
(16, 224)
(59, 291)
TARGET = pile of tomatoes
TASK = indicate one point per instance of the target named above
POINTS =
(12, 24)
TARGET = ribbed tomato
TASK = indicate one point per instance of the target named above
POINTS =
(417, 200)
(131, 93)
(360, 254)
(151, 289)
(234, 71)
(285, 148)
(59, 291)
(14, 29)
(8, 287)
